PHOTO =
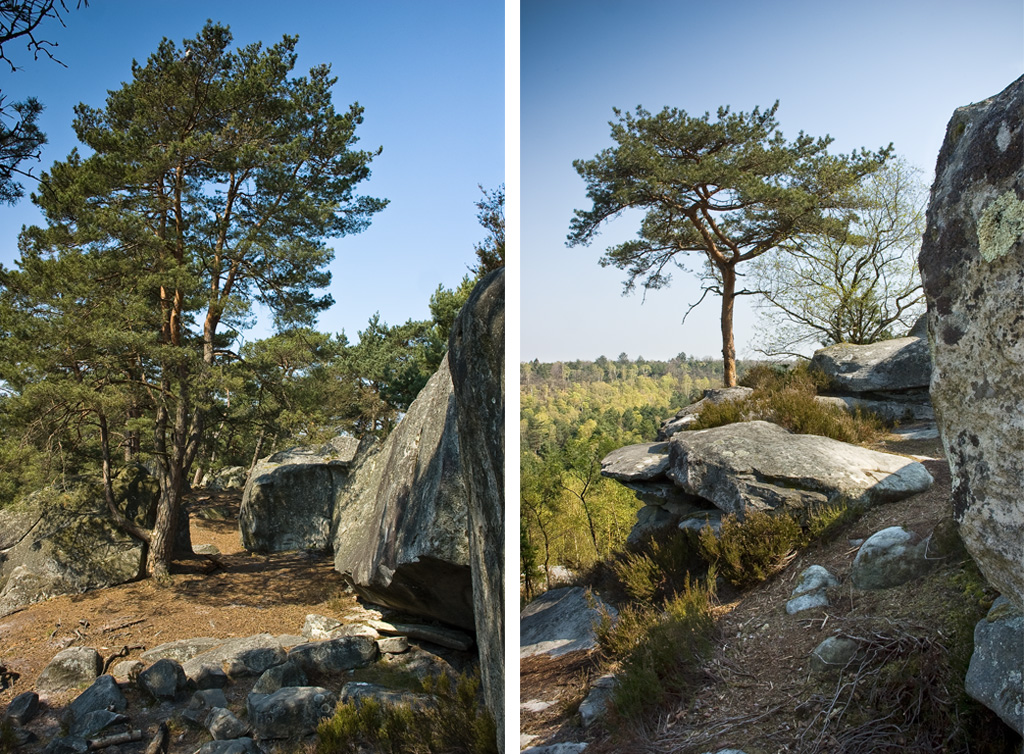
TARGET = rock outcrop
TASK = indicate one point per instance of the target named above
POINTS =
(889, 365)
(688, 414)
(760, 466)
(558, 622)
(63, 541)
(288, 503)
(996, 674)
(972, 267)
(400, 520)
(476, 354)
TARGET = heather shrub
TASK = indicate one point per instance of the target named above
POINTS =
(749, 552)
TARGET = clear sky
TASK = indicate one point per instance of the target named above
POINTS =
(429, 75)
(868, 73)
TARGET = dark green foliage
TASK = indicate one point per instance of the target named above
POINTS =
(490, 253)
(660, 568)
(726, 191)
(659, 650)
(457, 725)
(749, 552)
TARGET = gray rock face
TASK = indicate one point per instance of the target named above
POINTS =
(89, 725)
(248, 656)
(231, 478)
(890, 411)
(64, 542)
(288, 501)
(242, 745)
(596, 703)
(181, 650)
(223, 725)
(334, 655)
(73, 667)
(996, 673)
(319, 627)
(557, 622)
(889, 558)
(290, 712)
(972, 267)
(897, 364)
(760, 466)
(477, 354)
(688, 415)
(401, 518)
(443, 637)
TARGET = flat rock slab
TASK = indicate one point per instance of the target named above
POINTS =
(181, 650)
(248, 656)
(641, 462)
(557, 622)
(897, 364)
(760, 466)
(289, 712)
(443, 637)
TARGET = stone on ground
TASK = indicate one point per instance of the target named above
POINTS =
(103, 694)
(290, 712)
(286, 674)
(889, 558)
(996, 673)
(811, 590)
(71, 668)
(236, 746)
(356, 692)
(223, 725)
(834, 653)
(241, 657)
(164, 679)
(334, 655)
(595, 705)
(972, 268)
(23, 707)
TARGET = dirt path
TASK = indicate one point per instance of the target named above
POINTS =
(250, 595)
(759, 694)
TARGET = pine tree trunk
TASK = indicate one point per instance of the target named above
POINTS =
(728, 342)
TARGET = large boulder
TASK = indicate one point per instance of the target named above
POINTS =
(889, 365)
(62, 540)
(477, 356)
(288, 501)
(972, 267)
(400, 520)
(761, 466)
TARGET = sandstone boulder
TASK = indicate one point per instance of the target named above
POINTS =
(477, 355)
(70, 668)
(289, 712)
(288, 501)
(886, 366)
(760, 466)
(972, 267)
(63, 541)
(888, 558)
(400, 520)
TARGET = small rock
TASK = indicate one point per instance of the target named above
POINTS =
(393, 645)
(206, 549)
(319, 627)
(238, 746)
(92, 723)
(356, 692)
(103, 694)
(67, 745)
(181, 650)
(996, 673)
(834, 653)
(127, 671)
(286, 674)
(23, 707)
(208, 699)
(596, 704)
(164, 679)
(210, 677)
(420, 663)
(290, 711)
(535, 705)
(811, 590)
(889, 558)
(223, 725)
(75, 666)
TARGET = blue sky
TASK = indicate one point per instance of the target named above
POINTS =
(867, 73)
(429, 75)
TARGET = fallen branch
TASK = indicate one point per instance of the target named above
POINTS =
(118, 738)
(126, 624)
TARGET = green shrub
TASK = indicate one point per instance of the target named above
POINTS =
(659, 651)
(457, 725)
(660, 567)
(749, 552)
(788, 399)
(824, 522)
